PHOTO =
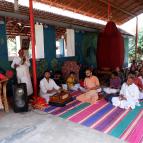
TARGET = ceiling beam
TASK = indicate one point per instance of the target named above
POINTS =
(46, 21)
(82, 6)
(116, 7)
(59, 5)
(71, 2)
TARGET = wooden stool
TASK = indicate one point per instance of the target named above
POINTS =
(3, 94)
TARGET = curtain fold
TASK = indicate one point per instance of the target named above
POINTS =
(39, 37)
(110, 48)
(70, 43)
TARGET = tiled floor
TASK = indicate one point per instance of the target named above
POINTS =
(39, 127)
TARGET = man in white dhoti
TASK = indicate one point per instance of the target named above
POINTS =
(48, 87)
(21, 64)
(129, 95)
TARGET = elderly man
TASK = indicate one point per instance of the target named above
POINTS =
(48, 87)
(21, 64)
(129, 95)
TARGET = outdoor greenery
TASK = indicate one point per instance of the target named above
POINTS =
(139, 50)
(11, 43)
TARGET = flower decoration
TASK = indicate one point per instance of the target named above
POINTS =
(9, 73)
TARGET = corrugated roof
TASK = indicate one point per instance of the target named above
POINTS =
(13, 28)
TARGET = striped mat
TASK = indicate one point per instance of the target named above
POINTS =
(104, 117)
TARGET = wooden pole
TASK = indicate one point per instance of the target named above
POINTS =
(136, 40)
(109, 10)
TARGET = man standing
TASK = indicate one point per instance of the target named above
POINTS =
(129, 95)
(21, 64)
(48, 87)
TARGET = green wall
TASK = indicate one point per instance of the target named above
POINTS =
(86, 45)
(89, 47)
(4, 64)
(85, 49)
(49, 44)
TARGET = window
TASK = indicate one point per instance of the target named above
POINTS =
(14, 45)
(12, 49)
(60, 48)
(65, 43)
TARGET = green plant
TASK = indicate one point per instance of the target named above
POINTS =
(139, 50)
(42, 65)
(54, 64)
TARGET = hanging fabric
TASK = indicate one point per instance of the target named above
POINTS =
(110, 48)
(39, 37)
(110, 45)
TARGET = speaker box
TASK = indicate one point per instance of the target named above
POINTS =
(20, 99)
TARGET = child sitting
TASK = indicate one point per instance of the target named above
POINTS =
(72, 83)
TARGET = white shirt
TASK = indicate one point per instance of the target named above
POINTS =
(130, 91)
(18, 61)
(47, 85)
(22, 72)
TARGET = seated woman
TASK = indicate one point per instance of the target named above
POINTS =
(48, 87)
(129, 95)
(115, 84)
(92, 86)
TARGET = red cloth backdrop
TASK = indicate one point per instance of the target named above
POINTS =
(110, 48)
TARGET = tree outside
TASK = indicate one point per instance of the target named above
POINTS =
(139, 50)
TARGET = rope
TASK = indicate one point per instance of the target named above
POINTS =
(109, 10)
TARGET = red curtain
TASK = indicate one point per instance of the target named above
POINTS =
(110, 48)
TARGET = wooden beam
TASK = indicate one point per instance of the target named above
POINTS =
(117, 7)
(82, 6)
(136, 40)
(69, 4)
(59, 5)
